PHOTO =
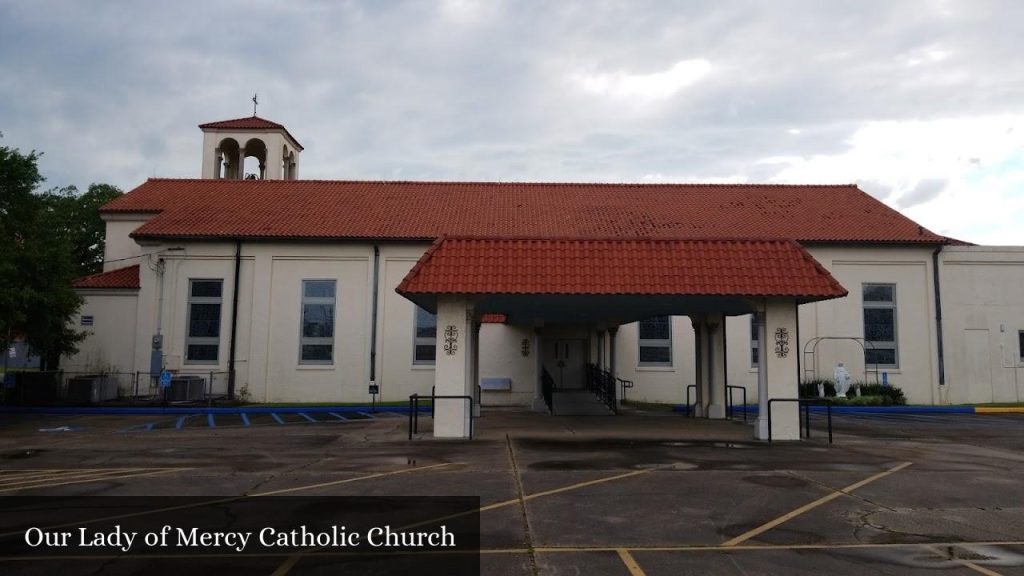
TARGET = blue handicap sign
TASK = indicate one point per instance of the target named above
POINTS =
(165, 379)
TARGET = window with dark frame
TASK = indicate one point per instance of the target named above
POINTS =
(1020, 352)
(202, 340)
(424, 338)
(880, 335)
(316, 340)
(655, 341)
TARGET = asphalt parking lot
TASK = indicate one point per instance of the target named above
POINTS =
(650, 493)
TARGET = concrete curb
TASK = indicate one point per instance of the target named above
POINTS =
(894, 409)
(190, 410)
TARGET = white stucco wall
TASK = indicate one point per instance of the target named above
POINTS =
(118, 245)
(110, 346)
(983, 314)
(501, 357)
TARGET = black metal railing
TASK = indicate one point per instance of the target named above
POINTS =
(547, 387)
(623, 386)
(414, 410)
(806, 403)
(730, 405)
(689, 405)
(602, 384)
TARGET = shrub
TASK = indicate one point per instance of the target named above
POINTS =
(892, 395)
(809, 389)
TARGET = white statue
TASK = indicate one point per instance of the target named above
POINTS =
(842, 380)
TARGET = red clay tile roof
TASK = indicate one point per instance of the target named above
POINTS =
(334, 209)
(737, 268)
(126, 278)
(248, 123)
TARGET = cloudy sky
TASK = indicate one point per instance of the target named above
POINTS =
(919, 102)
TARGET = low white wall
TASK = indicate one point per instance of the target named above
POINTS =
(110, 345)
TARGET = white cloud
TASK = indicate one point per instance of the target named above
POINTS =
(644, 87)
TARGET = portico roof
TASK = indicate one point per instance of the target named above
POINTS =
(675, 274)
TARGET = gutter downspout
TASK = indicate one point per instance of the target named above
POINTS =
(374, 306)
(938, 317)
(234, 321)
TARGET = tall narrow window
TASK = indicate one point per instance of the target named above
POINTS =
(1020, 353)
(425, 337)
(656, 341)
(202, 340)
(755, 340)
(880, 326)
(316, 342)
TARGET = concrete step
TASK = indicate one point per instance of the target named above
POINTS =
(578, 403)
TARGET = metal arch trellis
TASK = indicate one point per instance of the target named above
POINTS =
(811, 348)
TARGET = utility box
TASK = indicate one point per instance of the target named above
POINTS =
(91, 389)
(186, 388)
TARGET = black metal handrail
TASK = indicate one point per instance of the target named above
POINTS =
(806, 403)
(689, 406)
(547, 385)
(601, 383)
(730, 405)
(414, 411)
(623, 386)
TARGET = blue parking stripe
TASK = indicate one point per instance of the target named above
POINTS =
(245, 419)
(366, 414)
(149, 426)
(276, 417)
(307, 416)
(209, 420)
(338, 416)
(180, 422)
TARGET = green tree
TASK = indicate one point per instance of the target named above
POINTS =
(37, 263)
(77, 218)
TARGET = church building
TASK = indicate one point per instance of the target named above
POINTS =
(559, 297)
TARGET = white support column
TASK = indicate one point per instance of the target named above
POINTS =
(715, 367)
(778, 375)
(539, 405)
(475, 361)
(240, 169)
(701, 393)
(453, 366)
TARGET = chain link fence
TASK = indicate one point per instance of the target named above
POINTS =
(61, 388)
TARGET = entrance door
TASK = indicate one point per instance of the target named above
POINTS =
(564, 360)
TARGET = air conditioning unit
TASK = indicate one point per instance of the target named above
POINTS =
(186, 388)
(91, 389)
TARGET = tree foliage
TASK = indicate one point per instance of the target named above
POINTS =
(48, 239)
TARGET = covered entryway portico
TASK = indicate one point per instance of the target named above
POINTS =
(599, 284)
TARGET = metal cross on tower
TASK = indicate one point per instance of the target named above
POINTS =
(254, 103)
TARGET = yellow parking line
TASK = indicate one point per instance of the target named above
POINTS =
(630, 562)
(6, 478)
(94, 479)
(812, 505)
(347, 480)
(965, 563)
(46, 480)
(293, 560)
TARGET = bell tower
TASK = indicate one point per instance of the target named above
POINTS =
(228, 143)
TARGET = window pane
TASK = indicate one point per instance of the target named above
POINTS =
(753, 356)
(880, 324)
(202, 352)
(656, 328)
(878, 293)
(881, 356)
(204, 321)
(317, 352)
(207, 288)
(1021, 336)
(755, 329)
(318, 320)
(426, 353)
(318, 288)
(655, 354)
(426, 324)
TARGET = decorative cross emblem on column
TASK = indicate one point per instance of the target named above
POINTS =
(781, 342)
(451, 339)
